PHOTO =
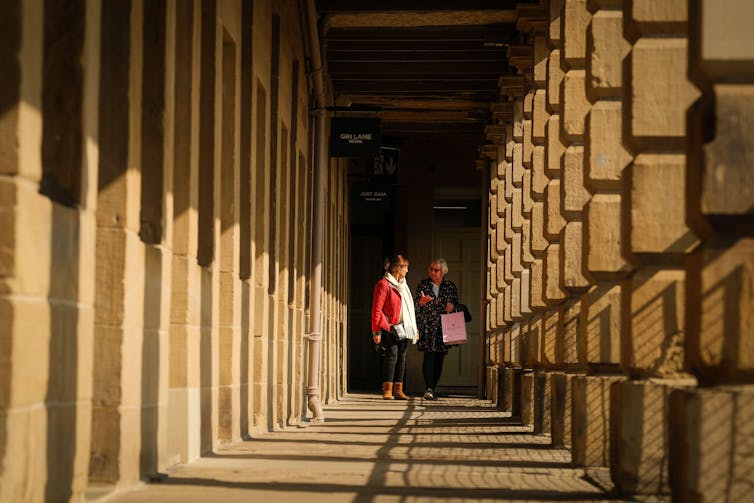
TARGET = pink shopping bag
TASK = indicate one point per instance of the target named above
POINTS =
(453, 328)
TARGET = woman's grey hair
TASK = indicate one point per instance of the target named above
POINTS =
(443, 265)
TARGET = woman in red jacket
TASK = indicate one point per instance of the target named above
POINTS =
(393, 325)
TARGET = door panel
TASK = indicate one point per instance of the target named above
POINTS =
(461, 250)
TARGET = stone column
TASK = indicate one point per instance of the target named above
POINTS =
(185, 307)
(48, 186)
(600, 329)
(554, 294)
(710, 426)
(658, 95)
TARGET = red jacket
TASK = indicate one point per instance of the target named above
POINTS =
(386, 306)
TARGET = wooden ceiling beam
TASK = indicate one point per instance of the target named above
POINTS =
(441, 34)
(413, 70)
(400, 85)
(416, 5)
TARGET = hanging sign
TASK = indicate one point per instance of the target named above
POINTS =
(354, 137)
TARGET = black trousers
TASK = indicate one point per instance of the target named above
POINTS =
(432, 368)
(394, 358)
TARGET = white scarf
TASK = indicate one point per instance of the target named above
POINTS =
(407, 306)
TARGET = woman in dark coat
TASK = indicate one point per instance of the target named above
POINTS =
(433, 297)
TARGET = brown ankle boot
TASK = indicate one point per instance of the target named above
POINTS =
(398, 391)
(387, 391)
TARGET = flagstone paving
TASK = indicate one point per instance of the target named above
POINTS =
(370, 450)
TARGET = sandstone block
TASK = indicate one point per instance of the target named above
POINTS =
(527, 202)
(540, 116)
(553, 292)
(573, 193)
(554, 79)
(660, 91)
(560, 408)
(639, 435)
(516, 299)
(554, 219)
(527, 398)
(542, 403)
(726, 44)
(499, 171)
(554, 18)
(535, 327)
(555, 147)
(727, 177)
(567, 342)
(528, 106)
(517, 209)
(515, 344)
(721, 310)
(518, 164)
(541, 52)
(501, 202)
(500, 242)
(525, 292)
(526, 255)
(516, 255)
(575, 105)
(648, 16)
(571, 253)
(608, 157)
(518, 120)
(658, 224)
(512, 390)
(507, 318)
(601, 324)
(527, 145)
(536, 292)
(500, 309)
(550, 327)
(538, 241)
(509, 142)
(574, 27)
(710, 443)
(656, 338)
(603, 233)
(508, 180)
(509, 223)
(539, 178)
(606, 54)
(508, 264)
(590, 420)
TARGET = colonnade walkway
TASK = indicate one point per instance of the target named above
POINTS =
(370, 450)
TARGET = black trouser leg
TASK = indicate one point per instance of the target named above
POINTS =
(394, 361)
(439, 360)
(432, 368)
(400, 364)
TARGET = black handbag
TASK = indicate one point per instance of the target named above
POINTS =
(466, 314)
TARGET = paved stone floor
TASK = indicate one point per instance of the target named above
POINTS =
(370, 450)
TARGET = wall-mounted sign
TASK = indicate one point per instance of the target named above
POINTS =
(386, 163)
(354, 137)
(372, 194)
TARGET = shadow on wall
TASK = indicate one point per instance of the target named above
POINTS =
(62, 387)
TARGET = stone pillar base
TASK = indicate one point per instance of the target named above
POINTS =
(527, 398)
(511, 392)
(560, 411)
(542, 419)
(711, 446)
(639, 435)
(590, 420)
(493, 385)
